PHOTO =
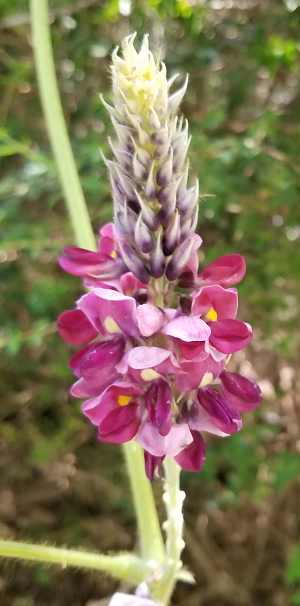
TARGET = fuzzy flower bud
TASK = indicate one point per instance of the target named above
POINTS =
(155, 210)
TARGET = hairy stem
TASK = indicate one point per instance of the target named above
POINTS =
(151, 541)
(125, 566)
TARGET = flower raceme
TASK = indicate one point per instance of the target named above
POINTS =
(155, 334)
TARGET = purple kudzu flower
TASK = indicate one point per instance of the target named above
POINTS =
(151, 366)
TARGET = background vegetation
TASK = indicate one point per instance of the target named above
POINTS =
(57, 483)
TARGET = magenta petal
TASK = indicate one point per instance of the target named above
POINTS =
(229, 336)
(226, 271)
(170, 445)
(242, 393)
(202, 421)
(120, 425)
(108, 242)
(88, 304)
(110, 311)
(82, 262)
(151, 463)
(223, 301)
(193, 262)
(150, 319)
(77, 357)
(147, 363)
(130, 284)
(158, 401)
(75, 327)
(98, 408)
(193, 457)
(197, 370)
(193, 349)
(99, 362)
(83, 389)
(225, 416)
(187, 329)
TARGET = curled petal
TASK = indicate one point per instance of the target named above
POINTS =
(84, 389)
(224, 415)
(100, 361)
(193, 261)
(226, 271)
(120, 425)
(75, 327)
(151, 463)
(192, 457)
(158, 402)
(77, 357)
(229, 336)
(130, 284)
(242, 393)
(82, 262)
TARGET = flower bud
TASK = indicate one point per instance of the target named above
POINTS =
(150, 164)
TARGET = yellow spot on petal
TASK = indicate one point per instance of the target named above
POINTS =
(148, 374)
(111, 326)
(113, 254)
(212, 315)
(207, 379)
(124, 400)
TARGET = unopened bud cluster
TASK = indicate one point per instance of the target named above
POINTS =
(156, 335)
(154, 210)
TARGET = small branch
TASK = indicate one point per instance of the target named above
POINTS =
(56, 125)
(125, 566)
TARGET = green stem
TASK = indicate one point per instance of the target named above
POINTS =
(56, 125)
(173, 498)
(151, 541)
(125, 566)
(150, 537)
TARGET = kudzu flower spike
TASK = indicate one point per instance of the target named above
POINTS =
(153, 363)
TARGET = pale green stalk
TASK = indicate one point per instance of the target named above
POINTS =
(150, 537)
(123, 566)
(151, 542)
(173, 498)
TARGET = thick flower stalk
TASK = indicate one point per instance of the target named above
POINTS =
(156, 334)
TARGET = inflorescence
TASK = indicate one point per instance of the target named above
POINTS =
(156, 335)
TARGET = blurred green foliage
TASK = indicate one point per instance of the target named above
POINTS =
(244, 112)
